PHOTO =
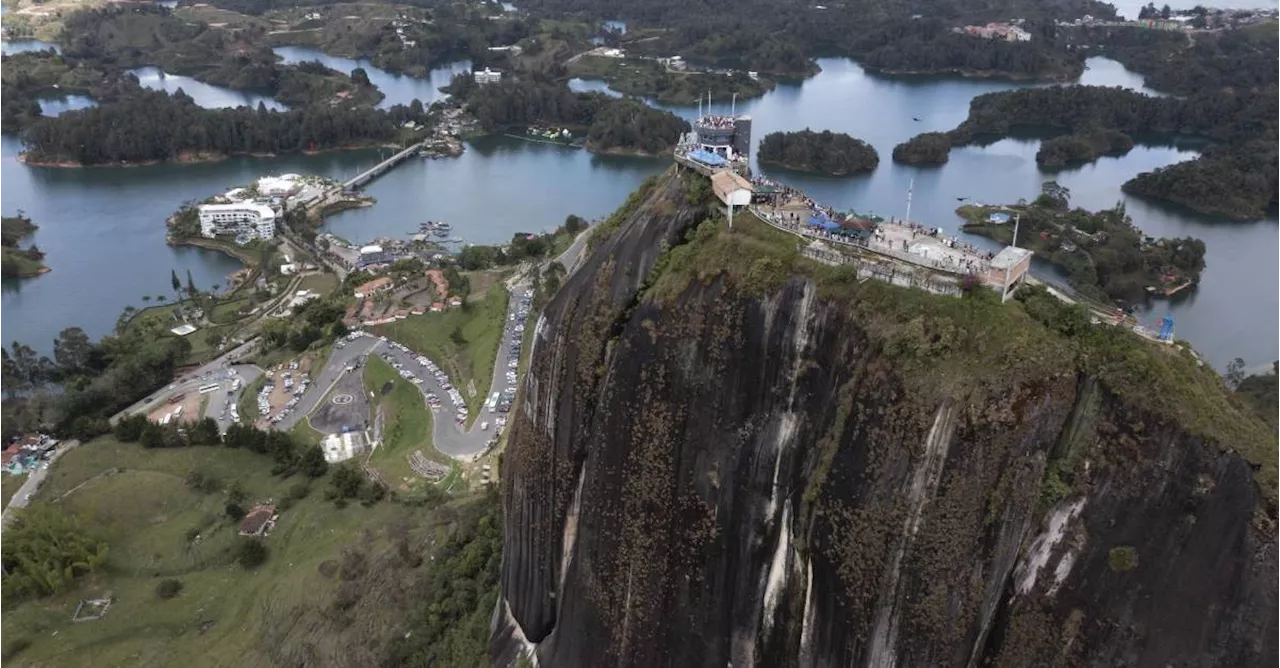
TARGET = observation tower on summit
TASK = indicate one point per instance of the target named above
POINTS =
(726, 136)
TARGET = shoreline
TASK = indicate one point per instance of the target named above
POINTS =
(210, 245)
(815, 172)
(976, 74)
(189, 158)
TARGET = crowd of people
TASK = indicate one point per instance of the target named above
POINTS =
(793, 209)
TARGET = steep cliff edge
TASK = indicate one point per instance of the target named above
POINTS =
(724, 454)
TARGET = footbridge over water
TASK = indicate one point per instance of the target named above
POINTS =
(381, 168)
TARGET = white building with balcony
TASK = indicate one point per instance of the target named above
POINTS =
(245, 220)
(488, 76)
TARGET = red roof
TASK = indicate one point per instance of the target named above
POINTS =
(257, 518)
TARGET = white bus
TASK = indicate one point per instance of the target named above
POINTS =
(205, 389)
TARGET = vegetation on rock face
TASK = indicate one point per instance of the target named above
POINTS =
(929, 148)
(1103, 253)
(1122, 559)
(826, 152)
(1259, 392)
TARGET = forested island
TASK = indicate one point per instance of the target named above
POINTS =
(154, 126)
(1236, 178)
(1082, 147)
(1104, 255)
(612, 125)
(929, 148)
(19, 262)
(826, 152)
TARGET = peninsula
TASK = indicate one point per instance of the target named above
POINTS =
(20, 262)
(1104, 255)
(828, 153)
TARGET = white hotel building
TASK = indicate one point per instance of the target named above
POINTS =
(246, 220)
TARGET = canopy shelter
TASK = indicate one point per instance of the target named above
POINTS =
(732, 190)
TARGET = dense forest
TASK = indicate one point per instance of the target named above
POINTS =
(929, 46)
(122, 37)
(826, 152)
(1104, 254)
(612, 124)
(1082, 147)
(1172, 62)
(19, 262)
(927, 148)
(648, 78)
(154, 125)
(1236, 179)
(781, 37)
(25, 77)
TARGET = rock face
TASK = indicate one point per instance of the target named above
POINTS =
(727, 479)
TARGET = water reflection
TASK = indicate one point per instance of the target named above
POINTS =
(205, 95)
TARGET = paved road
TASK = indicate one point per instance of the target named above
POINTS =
(190, 380)
(448, 436)
(23, 496)
(223, 397)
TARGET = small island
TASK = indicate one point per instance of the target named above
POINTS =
(1082, 147)
(826, 152)
(1104, 255)
(20, 262)
(929, 148)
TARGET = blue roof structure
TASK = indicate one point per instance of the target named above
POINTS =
(998, 218)
(707, 158)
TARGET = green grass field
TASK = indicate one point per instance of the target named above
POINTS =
(480, 326)
(320, 283)
(407, 420)
(247, 405)
(9, 485)
(285, 612)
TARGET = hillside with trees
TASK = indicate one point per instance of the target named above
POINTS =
(1235, 178)
(20, 262)
(826, 152)
(612, 125)
(154, 126)
(121, 37)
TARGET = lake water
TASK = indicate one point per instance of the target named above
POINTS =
(398, 88)
(205, 95)
(103, 228)
(54, 106)
(8, 47)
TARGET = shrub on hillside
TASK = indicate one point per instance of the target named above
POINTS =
(168, 588)
(251, 553)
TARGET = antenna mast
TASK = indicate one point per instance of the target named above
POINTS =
(909, 189)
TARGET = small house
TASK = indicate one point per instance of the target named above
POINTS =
(259, 521)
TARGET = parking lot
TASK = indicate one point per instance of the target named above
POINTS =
(285, 386)
(513, 339)
(346, 405)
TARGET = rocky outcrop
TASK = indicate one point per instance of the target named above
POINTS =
(724, 478)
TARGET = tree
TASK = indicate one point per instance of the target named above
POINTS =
(1235, 373)
(191, 286)
(313, 464)
(574, 224)
(168, 588)
(204, 432)
(234, 511)
(173, 281)
(30, 370)
(46, 551)
(71, 351)
(360, 77)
